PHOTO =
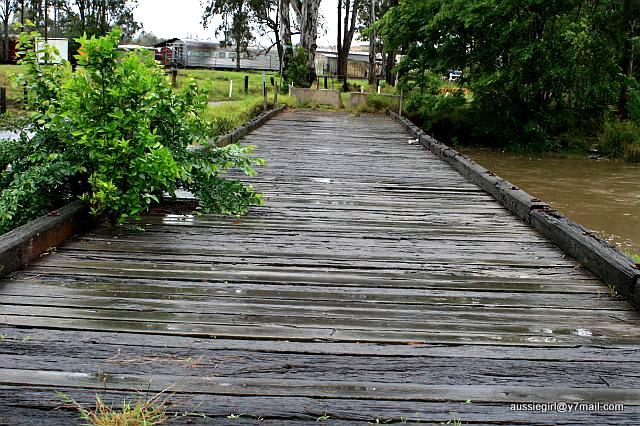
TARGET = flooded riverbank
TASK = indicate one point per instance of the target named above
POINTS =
(602, 195)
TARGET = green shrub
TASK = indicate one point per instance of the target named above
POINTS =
(115, 134)
(634, 102)
(297, 71)
(377, 103)
(380, 102)
(620, 139)
(432, 109)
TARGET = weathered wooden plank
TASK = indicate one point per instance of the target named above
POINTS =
(318, 332)
(43, 353)
(379, 291)
(254, 303)
(345, 389)
(296, 410)
(500, 327)
(90, 340)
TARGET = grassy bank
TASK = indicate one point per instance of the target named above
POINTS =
(226, 116)
(216, 83)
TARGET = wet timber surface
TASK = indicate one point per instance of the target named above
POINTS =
(375, 285)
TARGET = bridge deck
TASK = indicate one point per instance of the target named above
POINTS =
(375, 284)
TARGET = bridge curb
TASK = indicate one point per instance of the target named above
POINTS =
(606, 262)
(22, 245)
(248, 127)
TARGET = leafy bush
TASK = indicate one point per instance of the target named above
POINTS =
(432, 109)
(377, 103)
(297, 71)
(634, 102)
(620, 138)
(444, 116)
(115, 134)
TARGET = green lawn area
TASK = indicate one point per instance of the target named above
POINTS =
(14, 94)
(235, 110)
(216, 83)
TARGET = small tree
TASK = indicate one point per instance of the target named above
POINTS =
(116, 135)
(298, 71)
(236, 23)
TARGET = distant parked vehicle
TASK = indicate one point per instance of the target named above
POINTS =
(454, 75)
(210, 54)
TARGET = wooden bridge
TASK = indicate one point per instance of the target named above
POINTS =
(376, 285)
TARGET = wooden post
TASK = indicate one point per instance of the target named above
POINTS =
(264, 90)
(273, 81)
(174, 77)
(275, 96)
(326, 85)
(246, 84)
(3, 100)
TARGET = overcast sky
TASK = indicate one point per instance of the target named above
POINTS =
(168, 19)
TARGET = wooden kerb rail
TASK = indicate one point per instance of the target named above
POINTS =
(22, 245)
(248, 127)
(603, 260)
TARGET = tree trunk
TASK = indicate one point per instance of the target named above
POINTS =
(83, 17)
(390, 77)
(372, 46)
(46, 18)
(238, 50)
(627, 59)
(7, 8)
(339, 42)
(348, 26)
(625, 88)
(284, 30)
(297, 9)
(309, 34)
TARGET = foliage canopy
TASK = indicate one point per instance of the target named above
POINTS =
(534, 67)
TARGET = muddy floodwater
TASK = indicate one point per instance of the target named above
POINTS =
(602, 195)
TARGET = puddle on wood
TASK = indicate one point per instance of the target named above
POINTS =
(322, 180)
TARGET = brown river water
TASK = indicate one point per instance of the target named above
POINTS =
(601, 195)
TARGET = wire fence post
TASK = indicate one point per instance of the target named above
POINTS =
(264, 90)
(3, 100)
